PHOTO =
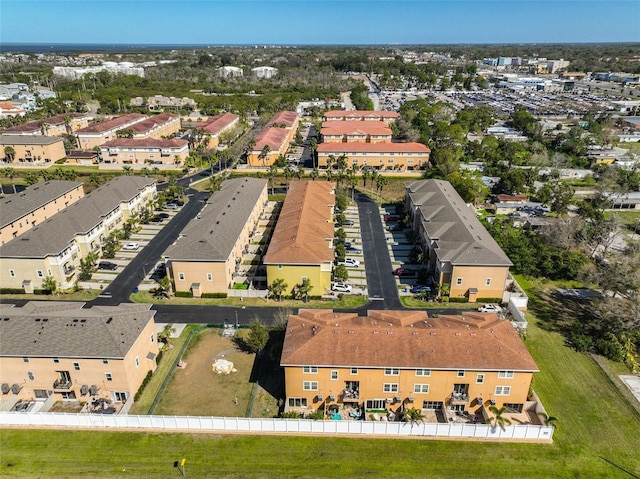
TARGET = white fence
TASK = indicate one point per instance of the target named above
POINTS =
(522, 432)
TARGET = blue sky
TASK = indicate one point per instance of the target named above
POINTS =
(318, 22)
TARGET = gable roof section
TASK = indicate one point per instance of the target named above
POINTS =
(54, 235)
(33, 126)
(212, 235)
(29, 140)
(305, 227)
(404, 339)
(39, 329)
(287, 118)
(149, 124)
(380, 147)
(461, 238)
(13, 207)
(218, 123)
(273, 137)
(116, 123)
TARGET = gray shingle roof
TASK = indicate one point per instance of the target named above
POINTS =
(35, 196)
(53, 236)
(213, 233)
(461, 238)
(50, 329)
(28, 140)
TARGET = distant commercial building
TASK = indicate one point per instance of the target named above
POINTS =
(64, 124)
(208, 253)
(159, 102)
(264, 72)
(381, 156)
(230, 72)
(123, 68)
(101, 132)
(49, 353)
(145, 151)
(554, 66)
(32, 149)
(22, 211)
(302, 242)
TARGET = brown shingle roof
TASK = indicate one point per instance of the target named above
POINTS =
(287, 118)
(404, 339)
(145, 143)
(216, 124)
(274, 137)
(151, 123)
(35, 125)
(304, 229)
(115, 123)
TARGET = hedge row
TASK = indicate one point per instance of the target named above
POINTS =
(11, 290)
(145, 381)
(184, 294)
(214, 295)
(489, 300)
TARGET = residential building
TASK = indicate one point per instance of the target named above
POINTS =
(264, 72)
(270, 143)
(51, 353)
(55, 247)
(287, 120)
(216, 125)
(101, 132)
(58, 125)
(22, 211)
(133, 151)
(355, 132)
(381, 155)
(159, 102)
(82, 157)
(361, 115)
(9, 109)
(206, 256)
(388, 361)
(156, 127)
(122, 68)
(32, 149)
(460, 253)
(230, 72)
(302, 242)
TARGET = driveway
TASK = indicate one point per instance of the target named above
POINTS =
(383, 292)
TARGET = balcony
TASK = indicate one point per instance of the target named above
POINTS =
(62, 384)
(69, 270)
(459, 398)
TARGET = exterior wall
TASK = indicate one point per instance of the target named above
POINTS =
(349, 138)
(402, 161)
(196, 272)
(126, 376)
(254, 158)
(319, 276)
(36, 153)
(40, 214)
(126, 155)
(371, 386)
(168, 128)
(476, 277)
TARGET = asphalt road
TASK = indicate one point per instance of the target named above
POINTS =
(122, 286)
(381, 283)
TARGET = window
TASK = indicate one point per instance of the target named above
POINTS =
(391, 372)
(487, 282)
(310, 369)
(480, 379)
(421, 388)
(39, 273)
(108, 376)
(56, 360)
(458, 281)
(432, 405)
(119, 396)
(105, 361)
(354, 371)
(41, 393)
(423, 372)
(279, 266)
(297, 402)
(12, 273)
(68, 394)
(390, 387)
(334, 375)
(505, 374)
(31, 375)
(513, 407)
(503, 390)
(76, 366)
(375, 404)
(137, 361)
(209, 277)
(310, 385)
(25, 359)
(152, 338)
(460, 373)
(181, 276)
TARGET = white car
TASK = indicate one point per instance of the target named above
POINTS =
(350, 263)
(490, 308)
(131, 246)
(341, 288)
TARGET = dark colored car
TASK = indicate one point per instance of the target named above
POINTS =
(390, 218)
(107, 265)
(164, 215)
(156, 219)
(420, 289)
(351, 249)
(404, 272)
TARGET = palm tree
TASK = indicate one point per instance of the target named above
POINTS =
(381, 182)
(278, 287)
(314, 174)
(366, 174)
(10, 153)
(548, 420)
(413, 416)
(272, 173)
(304, 289)
(288, 174)
(10, 173)
(127, 170)
(67, 124)
(264, 153)
(499, 419)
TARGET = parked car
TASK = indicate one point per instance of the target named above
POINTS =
(350, 262)
(341, 288)
(404, 271)
(131, 246)
(351, 249)
(420, 289)
(107, 265)
(490, 308)
(390, 218)
(164, 215)
(348, 223)
(156, 219)
(171, 206)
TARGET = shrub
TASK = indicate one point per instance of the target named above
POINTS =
(42, 292)
(489, 300)
(581, 342)
(459, 300)
(159, 356)
(213, 295)
(11, 290)
(184, 294)
(145, 381)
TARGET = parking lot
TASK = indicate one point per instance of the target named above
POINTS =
(357, 275)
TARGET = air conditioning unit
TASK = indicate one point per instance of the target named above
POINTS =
(389, 400)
